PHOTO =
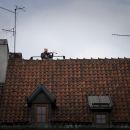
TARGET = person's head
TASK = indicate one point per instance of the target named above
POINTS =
(45, 50)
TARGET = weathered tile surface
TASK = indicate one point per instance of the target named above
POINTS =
(70, 80)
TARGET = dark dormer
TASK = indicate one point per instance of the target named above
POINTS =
(41, 104)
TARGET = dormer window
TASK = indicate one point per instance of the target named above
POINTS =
(41, 103)
(101, 119)
(41, 114)
(100, 107)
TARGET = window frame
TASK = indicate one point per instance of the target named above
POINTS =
(101, 119)
(40, 114)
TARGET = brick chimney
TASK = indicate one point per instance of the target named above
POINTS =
(4, 56)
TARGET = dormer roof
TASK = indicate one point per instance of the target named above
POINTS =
(45, 91)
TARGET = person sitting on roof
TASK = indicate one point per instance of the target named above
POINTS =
(46, 54)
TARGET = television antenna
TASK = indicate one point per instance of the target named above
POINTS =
(121, 35)
(13, 30)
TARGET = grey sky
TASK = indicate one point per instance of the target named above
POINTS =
(74, 28)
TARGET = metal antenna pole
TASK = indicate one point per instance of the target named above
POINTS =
(15, 25)
(15, 30)
(15, 22)
(121, 35)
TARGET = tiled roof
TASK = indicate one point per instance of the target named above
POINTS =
(71, 81)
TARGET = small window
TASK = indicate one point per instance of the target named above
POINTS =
(41, 114)
(101, 119)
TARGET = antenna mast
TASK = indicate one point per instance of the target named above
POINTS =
(15, 23)
(121, 35)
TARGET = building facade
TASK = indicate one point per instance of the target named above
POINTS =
(68, 93)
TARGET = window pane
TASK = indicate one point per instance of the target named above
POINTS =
(43, 110)
(101, 119)
(98, 116)
(38, 110)
(98, 121)
(41, 114)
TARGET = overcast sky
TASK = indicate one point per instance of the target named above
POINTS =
(74, 28)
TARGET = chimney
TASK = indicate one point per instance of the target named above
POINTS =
(4, 56)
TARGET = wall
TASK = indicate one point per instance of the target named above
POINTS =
(4, 51)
